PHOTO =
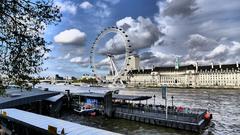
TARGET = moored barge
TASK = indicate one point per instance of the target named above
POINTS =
(127, 107)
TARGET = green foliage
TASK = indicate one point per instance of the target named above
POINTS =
(2, 88)
(22, 44)
(35, 81)
(86, 80)
(89, 80)
(2, 91)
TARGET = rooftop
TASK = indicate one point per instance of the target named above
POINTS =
(41, 123)
(217, 67)
(114, 96)
(187, 67)
(15, 97)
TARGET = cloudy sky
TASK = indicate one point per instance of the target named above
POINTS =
(159, 30)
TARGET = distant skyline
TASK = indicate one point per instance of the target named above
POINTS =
(203, 30)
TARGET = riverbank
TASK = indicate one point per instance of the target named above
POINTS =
(183, 87)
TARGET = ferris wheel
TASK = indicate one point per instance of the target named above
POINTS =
(116, 71)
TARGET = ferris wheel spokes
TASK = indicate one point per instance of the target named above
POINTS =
(116, 70)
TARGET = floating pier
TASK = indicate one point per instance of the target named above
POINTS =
(192, 121)
(125, 106)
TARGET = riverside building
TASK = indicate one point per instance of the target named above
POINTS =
(215, 76)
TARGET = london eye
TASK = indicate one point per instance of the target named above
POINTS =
(116, 70)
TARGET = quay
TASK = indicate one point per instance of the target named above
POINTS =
(27, 123)
(130, 108)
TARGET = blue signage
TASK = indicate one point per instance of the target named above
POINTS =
(164, 92)
(92, 101)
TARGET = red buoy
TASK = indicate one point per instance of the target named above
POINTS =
(93, 114)
(207, 116)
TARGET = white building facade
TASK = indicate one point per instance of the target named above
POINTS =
(213, 76)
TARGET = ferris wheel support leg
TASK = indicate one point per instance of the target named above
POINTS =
(113, 67)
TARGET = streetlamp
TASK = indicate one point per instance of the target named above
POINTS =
(172, 100)
(154, 96)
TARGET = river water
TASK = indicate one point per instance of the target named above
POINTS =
(224, 104)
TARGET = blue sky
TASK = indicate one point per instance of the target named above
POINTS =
(203, 30)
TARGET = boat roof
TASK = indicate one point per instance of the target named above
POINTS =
(41, 123)
(55, 98)
(114, 96)
(16, 96)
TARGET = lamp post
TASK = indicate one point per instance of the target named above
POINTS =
(154, 96)
(172, 100)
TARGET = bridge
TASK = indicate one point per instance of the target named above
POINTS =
(52, 81)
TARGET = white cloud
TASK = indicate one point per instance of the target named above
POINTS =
(103, 62)
(235, 49)
(76, 59)
(192, 29)
(225, 52)
(86, 5)
(67, 56)
(156, 58)
(84, 62)
(142, 32)
(199, 30)
(113, 1)
(197, 42)
(180, 7)
(67, 6)
(103, 10)
(219, 50)
(72, 36)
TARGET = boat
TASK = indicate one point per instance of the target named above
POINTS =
(116, 86)
(86, 110)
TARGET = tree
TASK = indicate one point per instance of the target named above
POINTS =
(2, 89)
(22, 45)
(73, 78)
(89, 80)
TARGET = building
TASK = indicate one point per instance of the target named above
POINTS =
(219, 76)
(133, 62)
(207, 76)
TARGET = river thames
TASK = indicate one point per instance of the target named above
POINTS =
(223, 104)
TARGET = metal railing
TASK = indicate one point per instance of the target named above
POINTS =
(159, 113)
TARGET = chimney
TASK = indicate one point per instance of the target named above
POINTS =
(212, 64)
(152, 67)
(196, 66)
(177, 63)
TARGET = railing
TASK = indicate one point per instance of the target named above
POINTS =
(159, 113)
